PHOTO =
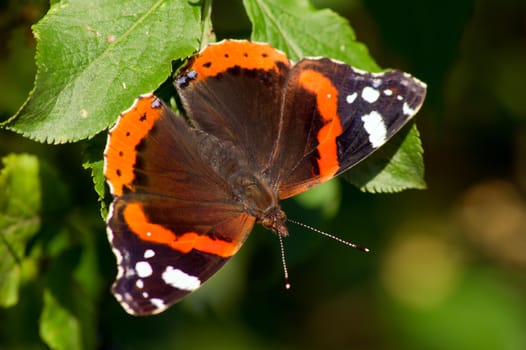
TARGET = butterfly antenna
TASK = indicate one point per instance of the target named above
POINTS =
(284, 262)
(338, 239)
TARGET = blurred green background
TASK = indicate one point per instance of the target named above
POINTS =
(448, 264)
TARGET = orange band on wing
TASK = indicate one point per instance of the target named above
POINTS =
(327, 102)
(216, 59)
(184, 242)
(131, 128)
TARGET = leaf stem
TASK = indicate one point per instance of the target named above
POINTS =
(207, 31)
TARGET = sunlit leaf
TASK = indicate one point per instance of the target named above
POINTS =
(95, 57)
(296, 28)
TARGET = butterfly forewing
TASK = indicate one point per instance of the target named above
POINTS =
(341, 115)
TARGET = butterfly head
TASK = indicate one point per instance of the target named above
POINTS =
(274, 219)
(260, 200)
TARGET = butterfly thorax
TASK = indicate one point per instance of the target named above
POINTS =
(261, 201)
(254, 193)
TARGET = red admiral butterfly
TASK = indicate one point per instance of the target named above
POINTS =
(258, 129)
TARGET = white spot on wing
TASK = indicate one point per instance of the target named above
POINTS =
(139, 284)
(179, 279)
(374, 124)
(350, 98)
(388, 92)
(370, 94)
(148, 253)
(399, 97)
(143, 269)
(145, 294)
(407, 110)
(158, 303)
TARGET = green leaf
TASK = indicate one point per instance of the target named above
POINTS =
(58, 327)
(93, 161)
(325, 198)
(95, 57)
(207, 30)
(394, 167)
(97, 175)
(20, 202)
(73, 279)
(298, 29)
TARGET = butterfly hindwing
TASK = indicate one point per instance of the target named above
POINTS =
(166, 249)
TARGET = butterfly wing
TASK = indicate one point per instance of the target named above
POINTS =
(166, 249)
(173, 222)
(299, 125)
(341, 115)
(233, 90)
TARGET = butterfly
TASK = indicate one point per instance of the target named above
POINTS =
(256, 129)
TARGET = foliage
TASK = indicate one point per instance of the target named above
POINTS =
(442, 291)
(92, 59)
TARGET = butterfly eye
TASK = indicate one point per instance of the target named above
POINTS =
(266, 222)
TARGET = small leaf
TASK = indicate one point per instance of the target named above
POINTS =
(20, 198)
(298, 29)
(93, 161)
(95, 57)
(58, 327)
(395, 167)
